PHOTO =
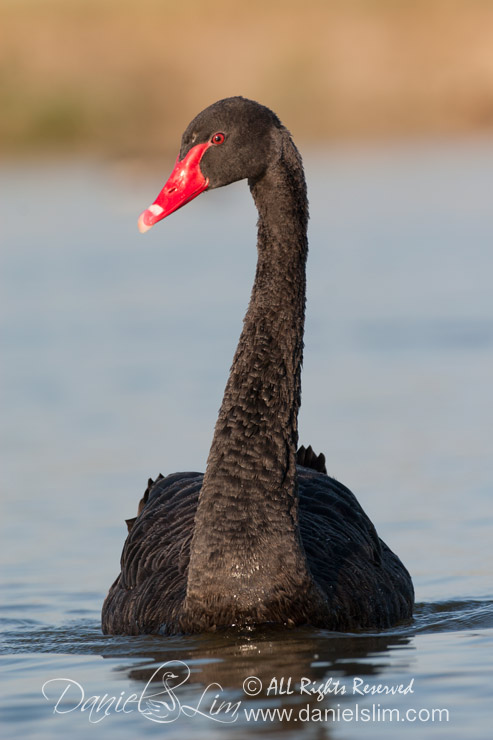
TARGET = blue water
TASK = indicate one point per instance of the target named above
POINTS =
(116, 349)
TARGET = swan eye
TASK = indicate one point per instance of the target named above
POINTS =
(217, 139)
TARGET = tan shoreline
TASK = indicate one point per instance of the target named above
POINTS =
(124, 77)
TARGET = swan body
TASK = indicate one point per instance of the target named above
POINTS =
(265, 535)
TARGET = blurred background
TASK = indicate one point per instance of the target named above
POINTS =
(117, 347)
(119, 77)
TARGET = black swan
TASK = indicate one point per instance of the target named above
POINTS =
(265, 535)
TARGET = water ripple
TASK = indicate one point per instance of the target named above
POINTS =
(83, 636)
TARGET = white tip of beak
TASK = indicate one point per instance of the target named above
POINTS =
(143, 226)
(148, 217)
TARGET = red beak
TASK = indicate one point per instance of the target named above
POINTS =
(183, 185)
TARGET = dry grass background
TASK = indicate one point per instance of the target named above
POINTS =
(123, 77)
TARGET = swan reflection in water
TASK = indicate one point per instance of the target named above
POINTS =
(213, 670)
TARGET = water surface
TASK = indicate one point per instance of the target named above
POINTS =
(116, 349)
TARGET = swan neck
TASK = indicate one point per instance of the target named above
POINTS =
(256, 431)
(247, 518)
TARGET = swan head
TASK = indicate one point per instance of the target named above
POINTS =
(233, 139)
